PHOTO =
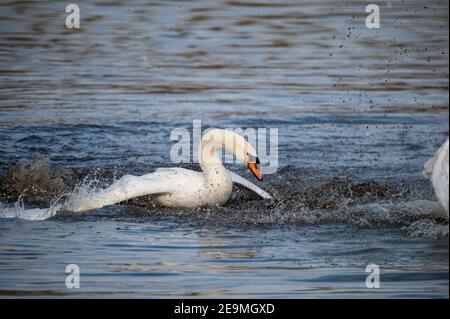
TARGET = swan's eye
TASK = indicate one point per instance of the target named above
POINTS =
(252, 158)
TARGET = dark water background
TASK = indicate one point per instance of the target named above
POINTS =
(358, 112)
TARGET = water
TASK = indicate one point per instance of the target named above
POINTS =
(358, 110)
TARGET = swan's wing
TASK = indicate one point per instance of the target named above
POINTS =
(242, 181)
(171, 170)
(164, 169)
(429, 165)
(126, 188)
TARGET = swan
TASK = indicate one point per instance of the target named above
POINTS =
(172, 187)
(437, 168)
(183, 188)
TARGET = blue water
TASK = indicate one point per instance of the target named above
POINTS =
(358, 112)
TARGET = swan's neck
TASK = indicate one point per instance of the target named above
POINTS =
(211, 164)
(210, 160)
(212, 146)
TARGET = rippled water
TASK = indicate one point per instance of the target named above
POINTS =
(358, 111)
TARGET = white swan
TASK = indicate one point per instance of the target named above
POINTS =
(179, 187)
(437, 168)
(172, 187)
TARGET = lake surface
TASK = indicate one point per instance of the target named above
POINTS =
(358, 112)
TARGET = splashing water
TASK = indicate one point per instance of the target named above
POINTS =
(19, 211)
(81, 193)
(301, 197)
(358, 113)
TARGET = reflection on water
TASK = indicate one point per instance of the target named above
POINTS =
(358, 111)
(172, 260)
(130, 61)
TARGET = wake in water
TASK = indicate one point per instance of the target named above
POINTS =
(302, 197)
(36, 183)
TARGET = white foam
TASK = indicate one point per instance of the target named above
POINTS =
(76, 198)
(19, 211)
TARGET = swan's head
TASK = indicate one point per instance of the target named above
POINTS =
(253, 165)
(236, 144)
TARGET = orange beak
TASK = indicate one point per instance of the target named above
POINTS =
(254, 167)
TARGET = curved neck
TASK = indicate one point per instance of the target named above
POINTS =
(210, 160)
(212, 145)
